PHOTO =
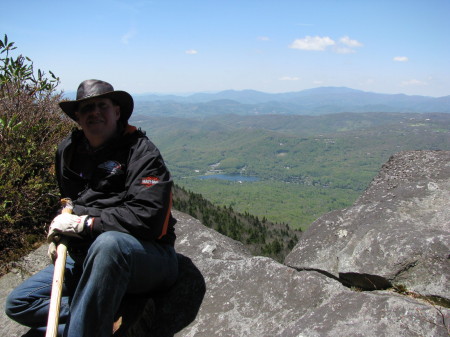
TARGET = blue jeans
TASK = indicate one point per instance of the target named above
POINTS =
(116, 264)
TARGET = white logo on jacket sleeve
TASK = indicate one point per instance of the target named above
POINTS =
(111, 166)
(149, 181)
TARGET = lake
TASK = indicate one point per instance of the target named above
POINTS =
(230, 177)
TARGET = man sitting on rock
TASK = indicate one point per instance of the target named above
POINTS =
(121, 230)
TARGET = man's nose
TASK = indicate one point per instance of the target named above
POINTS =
(94, 109)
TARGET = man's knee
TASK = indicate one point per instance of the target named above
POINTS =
(110, 247)
(10, 305)
(15, 305)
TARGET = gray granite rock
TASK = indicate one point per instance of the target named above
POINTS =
(256, 296)
(21, 270)
(246, 295)
(371, 314)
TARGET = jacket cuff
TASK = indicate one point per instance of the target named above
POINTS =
(80, 210)
(96, 228)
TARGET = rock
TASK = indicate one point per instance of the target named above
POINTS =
(246, 295)
(256, 296)
(370, 314)
(22, 269)
(397, 232)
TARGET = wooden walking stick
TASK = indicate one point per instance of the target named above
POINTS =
(58, 278)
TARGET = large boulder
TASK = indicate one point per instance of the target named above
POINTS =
(396, 233)
(256, 296)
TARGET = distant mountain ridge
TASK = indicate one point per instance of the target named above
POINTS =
(317, 101)
(249, 96)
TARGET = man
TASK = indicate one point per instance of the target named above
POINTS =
(121, 230)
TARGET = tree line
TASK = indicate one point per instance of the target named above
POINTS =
(261, 237)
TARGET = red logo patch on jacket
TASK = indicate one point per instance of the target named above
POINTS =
(149, 181)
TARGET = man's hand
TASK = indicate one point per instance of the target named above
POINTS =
(68, 225)
(65, 224)
(52, 252)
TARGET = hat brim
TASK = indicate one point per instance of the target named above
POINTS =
(122, 98)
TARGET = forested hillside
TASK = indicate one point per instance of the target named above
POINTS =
(305, 166)
(260, 236)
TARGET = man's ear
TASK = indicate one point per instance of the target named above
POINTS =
(77, 118)
(117, 112)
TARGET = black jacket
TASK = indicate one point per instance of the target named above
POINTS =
(125, 185)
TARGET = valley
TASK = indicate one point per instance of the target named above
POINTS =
(304, 166)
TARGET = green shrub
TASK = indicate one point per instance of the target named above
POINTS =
(31, 125)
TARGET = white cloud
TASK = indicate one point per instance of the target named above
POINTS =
(345, 45)
(263, 38)
(312, 43)
(191, 52)
(289, 78)
(401, 59)
(413, 82)
(349, 42)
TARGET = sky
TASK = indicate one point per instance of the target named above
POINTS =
(273, 46)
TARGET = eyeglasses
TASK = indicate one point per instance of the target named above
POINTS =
(102, 106)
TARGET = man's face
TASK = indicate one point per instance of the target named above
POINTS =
(98, 118)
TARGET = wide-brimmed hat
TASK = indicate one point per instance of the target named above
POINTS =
(94, 89)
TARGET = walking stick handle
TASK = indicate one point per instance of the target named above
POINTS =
(58, 279)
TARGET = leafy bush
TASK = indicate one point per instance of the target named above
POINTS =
(31, 125)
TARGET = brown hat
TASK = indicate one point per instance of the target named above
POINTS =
(95, 88)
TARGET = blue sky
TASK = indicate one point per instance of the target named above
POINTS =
(165, 46)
